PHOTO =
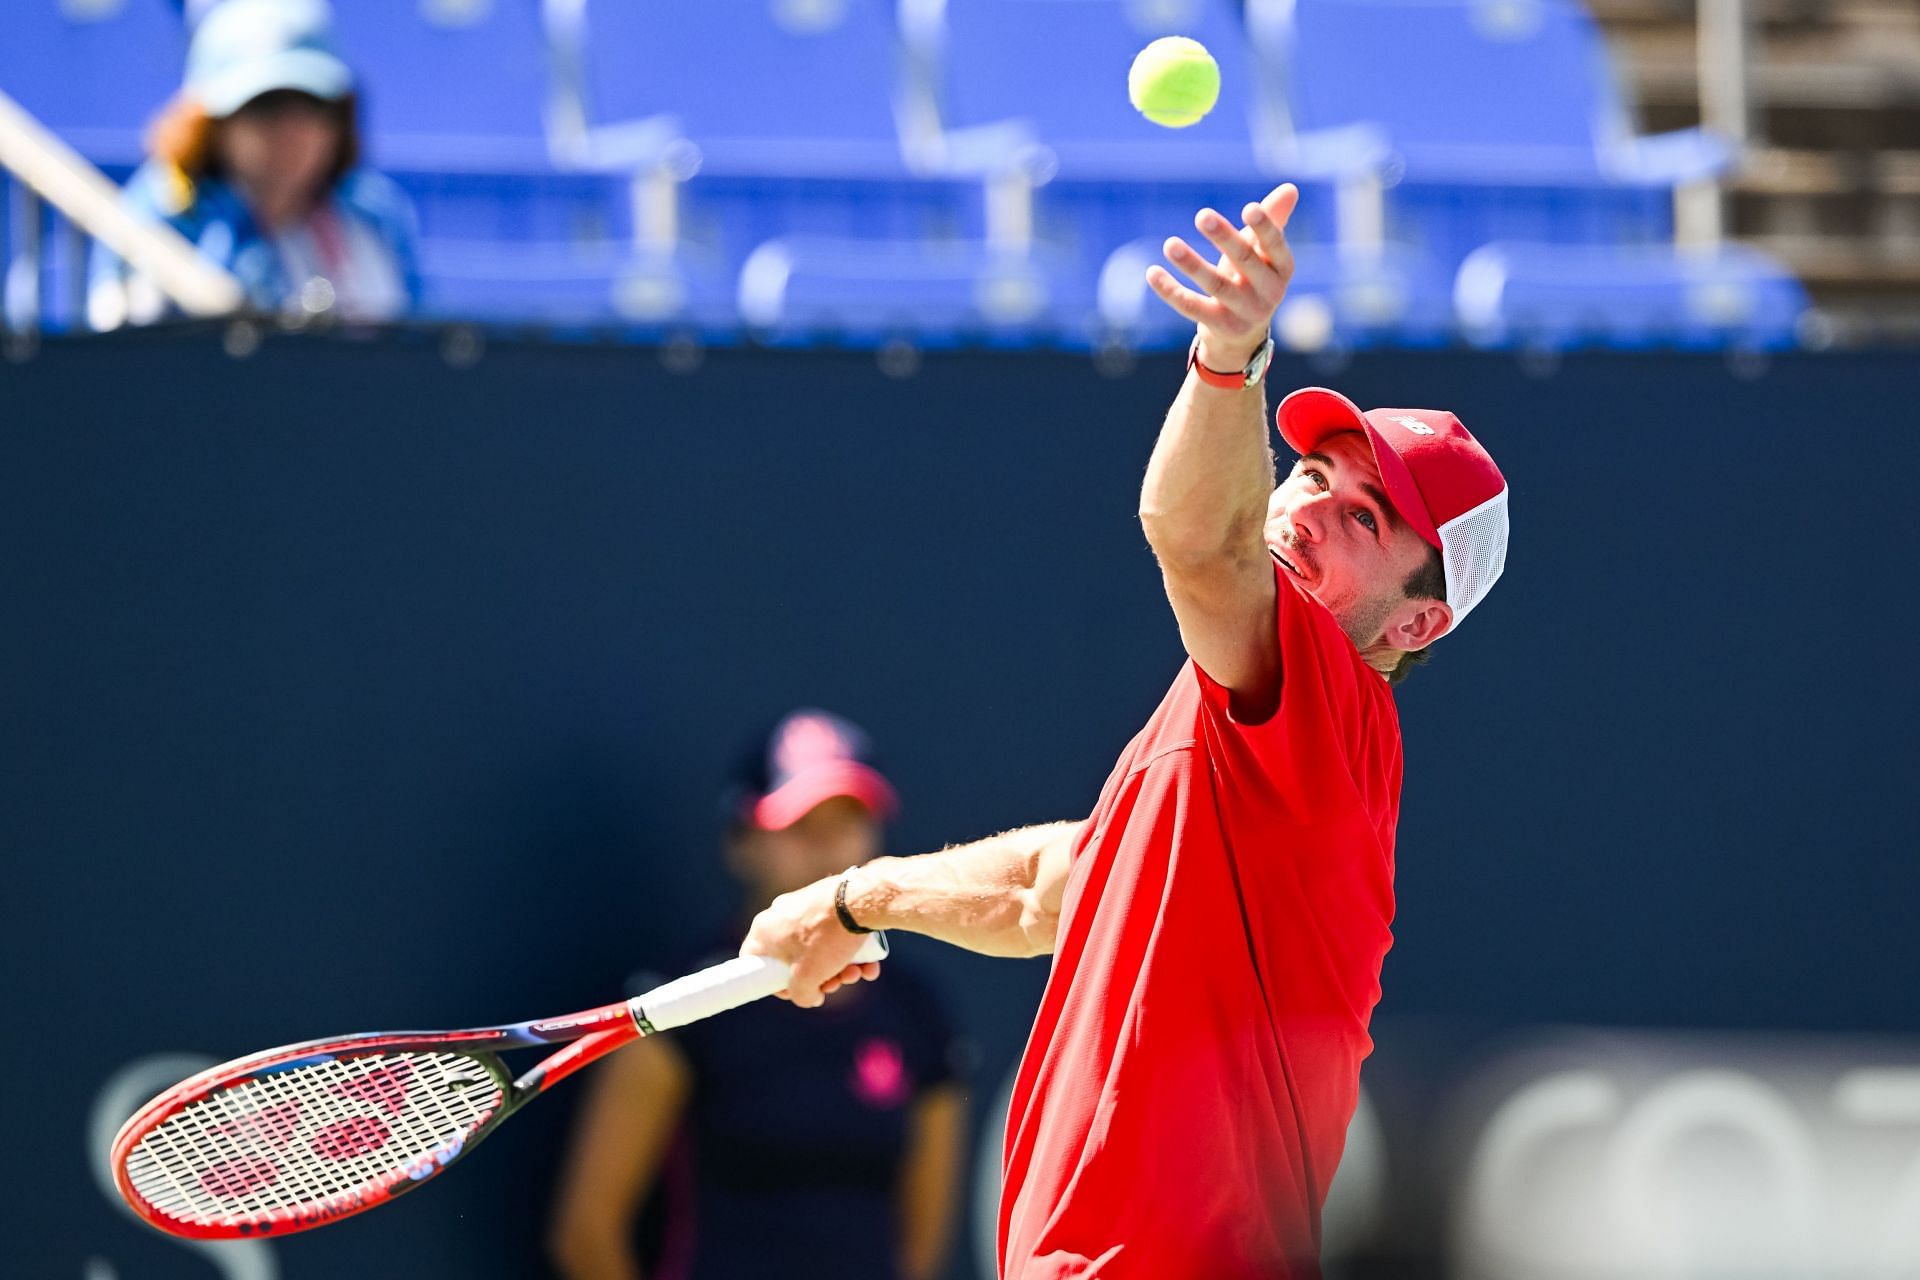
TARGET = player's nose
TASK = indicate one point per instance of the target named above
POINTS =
(1306, 518)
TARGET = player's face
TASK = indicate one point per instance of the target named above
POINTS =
(832, 836)
(1330, 525)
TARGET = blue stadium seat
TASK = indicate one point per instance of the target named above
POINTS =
(455, 106)
(1116, 177)
(1474, 91)
(1060, 68)
(1509, 129)
(450, 85)
(768, 88)
(1503, 115)
(1559, 296)
(595, 285)
(94, 71)
(801, 123)
(867, 290)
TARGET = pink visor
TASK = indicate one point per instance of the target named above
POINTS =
(800, 794)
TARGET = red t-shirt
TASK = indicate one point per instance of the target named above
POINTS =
(1185, 1093)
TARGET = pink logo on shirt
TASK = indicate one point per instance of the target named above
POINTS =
(879, 1076)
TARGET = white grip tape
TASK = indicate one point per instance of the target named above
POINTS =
(725, 986)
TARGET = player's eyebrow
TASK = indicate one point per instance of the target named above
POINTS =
(1373, 492)
(1380, 501)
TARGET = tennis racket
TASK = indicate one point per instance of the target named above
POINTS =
(308, 1134)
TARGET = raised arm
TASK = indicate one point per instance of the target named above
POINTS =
(999, 896)
(1204, 503)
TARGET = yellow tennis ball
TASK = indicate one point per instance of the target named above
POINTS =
(1174, 81)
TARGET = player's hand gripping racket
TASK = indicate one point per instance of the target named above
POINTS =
(301, 1136)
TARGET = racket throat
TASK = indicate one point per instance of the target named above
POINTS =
(577, 1026)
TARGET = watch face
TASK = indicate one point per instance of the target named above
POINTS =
(1257, 367)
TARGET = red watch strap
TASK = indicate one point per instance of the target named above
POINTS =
(1235, 381)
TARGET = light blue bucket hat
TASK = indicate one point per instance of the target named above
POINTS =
(244, 48)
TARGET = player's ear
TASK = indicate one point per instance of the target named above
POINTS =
(1417, 624)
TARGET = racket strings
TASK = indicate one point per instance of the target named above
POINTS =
(308, 1135)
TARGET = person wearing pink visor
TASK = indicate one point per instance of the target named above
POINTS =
(1218, 924)
(696, 1156)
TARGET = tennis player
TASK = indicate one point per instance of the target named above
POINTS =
(1218, 924)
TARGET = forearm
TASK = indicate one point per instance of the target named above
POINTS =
(999, 896)
(1212, 470)
(607, 1256)
(1207, 484)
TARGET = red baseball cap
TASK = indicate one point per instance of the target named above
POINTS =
(1441, 481)
(809, 757)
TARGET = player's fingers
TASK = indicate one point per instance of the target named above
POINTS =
(1226, 237)
(1198, 269)
(1280, 203)
(1190, 305)
(1271, 236)
(804, 994)
(851, 974)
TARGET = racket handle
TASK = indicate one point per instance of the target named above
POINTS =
(724, 986)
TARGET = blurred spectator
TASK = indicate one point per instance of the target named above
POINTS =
(256, 161)
(778, 1142)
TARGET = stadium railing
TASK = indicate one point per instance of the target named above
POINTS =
(42, 168)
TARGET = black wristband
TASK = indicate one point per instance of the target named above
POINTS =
(840, 906)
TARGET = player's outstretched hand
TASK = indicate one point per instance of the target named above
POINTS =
(802, 930)
(1238, 294)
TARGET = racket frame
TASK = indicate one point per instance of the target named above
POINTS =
(586, 1037)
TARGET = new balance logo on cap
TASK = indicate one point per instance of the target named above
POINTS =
(1414, 425)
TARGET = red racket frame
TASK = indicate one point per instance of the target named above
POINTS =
(588, 1035)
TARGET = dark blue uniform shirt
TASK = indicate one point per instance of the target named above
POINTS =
(791, 1147)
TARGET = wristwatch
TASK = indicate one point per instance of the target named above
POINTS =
(847, 921)
(1248, 377)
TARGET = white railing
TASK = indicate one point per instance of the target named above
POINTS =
(46, 169)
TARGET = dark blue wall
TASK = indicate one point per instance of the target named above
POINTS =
(344, 688)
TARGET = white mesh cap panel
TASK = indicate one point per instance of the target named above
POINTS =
(1473, 551)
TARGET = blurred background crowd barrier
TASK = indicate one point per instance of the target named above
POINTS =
(1509, 173)
(459, 637)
